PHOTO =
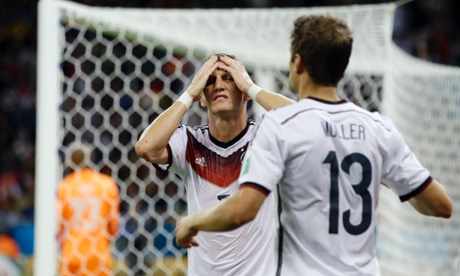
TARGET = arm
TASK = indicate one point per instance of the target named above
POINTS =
(152, 143)
(230, 214)
(433, 201)
(268, 100)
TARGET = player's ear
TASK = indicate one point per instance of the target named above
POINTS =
(203, 101)
(298, 64)
(246, 98)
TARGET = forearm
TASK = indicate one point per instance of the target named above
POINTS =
(223, 217)
(270, 100)
(419, 207)
(157, 135)
(233, 212)
(433, 201)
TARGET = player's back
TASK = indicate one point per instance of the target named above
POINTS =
(89, 218)
(334, 158)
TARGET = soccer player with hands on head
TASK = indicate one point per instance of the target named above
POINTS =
(327, 157)
(208, 160)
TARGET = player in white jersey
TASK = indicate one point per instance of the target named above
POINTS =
(209, 160)
(327, 157)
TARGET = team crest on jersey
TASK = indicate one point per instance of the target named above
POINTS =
(200, 161)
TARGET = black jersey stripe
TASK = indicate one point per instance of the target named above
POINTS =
(417, 191)
(165, 167)
(256, 186)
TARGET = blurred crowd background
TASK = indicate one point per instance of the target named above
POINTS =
(427, 29)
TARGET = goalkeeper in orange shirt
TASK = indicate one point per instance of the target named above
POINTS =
(88, 213)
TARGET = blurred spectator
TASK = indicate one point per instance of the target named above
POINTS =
(9, 256)
(429, 30)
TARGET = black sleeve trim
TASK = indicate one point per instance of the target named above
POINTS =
(168, 165)
(256, 186)
(417, 191)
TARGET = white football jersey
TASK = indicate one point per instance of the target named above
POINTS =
(329, 160)
(210, 171)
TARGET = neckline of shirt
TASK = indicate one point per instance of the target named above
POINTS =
(231, 142)
(341, 101)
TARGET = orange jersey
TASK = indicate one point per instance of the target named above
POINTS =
(88, 213)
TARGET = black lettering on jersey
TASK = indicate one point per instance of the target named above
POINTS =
(220, 197)
(344, 131)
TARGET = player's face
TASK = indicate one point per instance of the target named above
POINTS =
(221, 93)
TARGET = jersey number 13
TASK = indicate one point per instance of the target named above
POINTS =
(361, 189)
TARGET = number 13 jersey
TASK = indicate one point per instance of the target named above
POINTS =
(329, 159)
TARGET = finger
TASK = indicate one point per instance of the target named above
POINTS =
(207, 65)
(188, 243)
(240, 65)
(236, 65)
(225, 67)
(229, 61)
(213, 68)
(200, 79)
(211, 60)
(184, 245)
(209, 68)
(191, 242)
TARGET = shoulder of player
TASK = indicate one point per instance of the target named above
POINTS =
(377, 117)
(280, 114)
(380, 120)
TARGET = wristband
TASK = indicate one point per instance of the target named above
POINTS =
(186, 99)
(253, 91)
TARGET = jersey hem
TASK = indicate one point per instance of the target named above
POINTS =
(168, 164)
(417, 191)
(256, 186)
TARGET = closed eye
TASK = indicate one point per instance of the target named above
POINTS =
(227, 78)
(211, 80)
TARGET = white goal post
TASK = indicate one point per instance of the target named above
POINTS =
(105, 73)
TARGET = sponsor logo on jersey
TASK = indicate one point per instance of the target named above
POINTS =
(200, 161)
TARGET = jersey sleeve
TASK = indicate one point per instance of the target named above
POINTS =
(263, 165)
(402, 171)
(176, 148)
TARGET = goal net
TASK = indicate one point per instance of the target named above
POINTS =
(105, 73)
(423, 100)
